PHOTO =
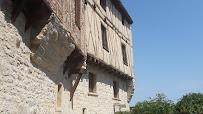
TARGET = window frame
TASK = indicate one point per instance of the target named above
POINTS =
(104, 38)
(124, 54)
(59, 95)
(92, 82)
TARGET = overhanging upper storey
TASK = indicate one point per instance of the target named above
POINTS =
(109, 36)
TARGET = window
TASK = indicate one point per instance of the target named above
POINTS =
(59, 95)
(123, 20)
(77, 12)
(115, 89)
(92, 83)
(103, 4)
(124, 54)
(104, 37)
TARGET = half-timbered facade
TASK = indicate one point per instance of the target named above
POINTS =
(109, 50)
(65, 56)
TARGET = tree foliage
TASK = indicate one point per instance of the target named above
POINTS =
(191, 103)
(159, 105)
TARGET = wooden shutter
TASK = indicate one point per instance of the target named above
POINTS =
(115, 89)
(91, 82)
(77, 12)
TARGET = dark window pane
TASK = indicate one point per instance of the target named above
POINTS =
(123, 20)
(104, 38)
(103, 4)
(124, 54)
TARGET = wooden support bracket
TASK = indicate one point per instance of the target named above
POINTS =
(76, 71)
(75, 86)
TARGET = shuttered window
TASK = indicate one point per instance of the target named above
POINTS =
(124, 54)
(115, 89)
(104, 38)
(92, 83)
(77, 12)
(103, 4)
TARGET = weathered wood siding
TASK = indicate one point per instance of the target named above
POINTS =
(117, 33)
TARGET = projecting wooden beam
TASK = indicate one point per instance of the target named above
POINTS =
(109, 68)
(76, 71)
(75, 86)
(16, 11)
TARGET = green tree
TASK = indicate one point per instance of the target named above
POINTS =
(191, 103)
(159, 105)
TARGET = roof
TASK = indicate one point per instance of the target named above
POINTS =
(118, 4)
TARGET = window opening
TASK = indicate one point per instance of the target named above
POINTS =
(124, 54)
(59, 95)
(77, 12)
(104, 38)
(92, 83)
(115, 89)
(123, 20)
(103, 4)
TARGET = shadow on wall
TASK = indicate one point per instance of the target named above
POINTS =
(29, 18)
(107, 78)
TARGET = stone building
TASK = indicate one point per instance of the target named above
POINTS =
(65, 56)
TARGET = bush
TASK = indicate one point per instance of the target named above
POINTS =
(158, 105)
(191, 103)
(122, 112)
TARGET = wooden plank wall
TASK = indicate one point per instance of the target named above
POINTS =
(116, 34)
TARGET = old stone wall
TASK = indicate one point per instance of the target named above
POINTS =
(101, 102)
(25, 88)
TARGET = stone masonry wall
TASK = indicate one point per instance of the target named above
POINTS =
(24, 87)
(102, 102)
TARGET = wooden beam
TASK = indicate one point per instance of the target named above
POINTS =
(108, 68)
(16, 11)
(75, 86)
(76, 71)
(73, 60)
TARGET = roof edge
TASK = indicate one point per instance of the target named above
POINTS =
(118, 4)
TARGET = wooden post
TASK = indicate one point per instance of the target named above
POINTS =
(75, 86)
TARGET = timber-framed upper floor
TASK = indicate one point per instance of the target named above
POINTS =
(109, 36)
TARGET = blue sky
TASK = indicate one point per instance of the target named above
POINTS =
(168, 47)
